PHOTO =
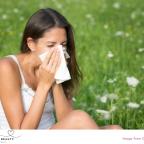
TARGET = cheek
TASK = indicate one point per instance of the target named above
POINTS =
(40, 49)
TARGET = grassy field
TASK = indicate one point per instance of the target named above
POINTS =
(110, 50)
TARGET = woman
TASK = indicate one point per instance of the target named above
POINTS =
(28, 92)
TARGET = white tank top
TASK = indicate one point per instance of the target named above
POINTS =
(47, 119)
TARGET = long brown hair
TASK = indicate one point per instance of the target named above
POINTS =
(40, 22)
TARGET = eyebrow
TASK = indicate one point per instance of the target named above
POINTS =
(55, 42)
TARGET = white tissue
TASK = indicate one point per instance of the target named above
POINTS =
(43, 56)
(62, 73)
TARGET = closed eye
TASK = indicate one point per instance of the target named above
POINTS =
(50, 46)
(64, 44)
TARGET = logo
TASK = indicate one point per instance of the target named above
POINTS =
(10, 136)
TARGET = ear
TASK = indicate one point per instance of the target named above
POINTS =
(31, 44)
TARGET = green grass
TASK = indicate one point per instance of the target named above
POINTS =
(101, 26)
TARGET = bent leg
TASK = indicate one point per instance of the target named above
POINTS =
(77, 119)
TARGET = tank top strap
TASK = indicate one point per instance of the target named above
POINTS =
(20, 70)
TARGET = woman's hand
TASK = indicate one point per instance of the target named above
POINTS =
(49, 66)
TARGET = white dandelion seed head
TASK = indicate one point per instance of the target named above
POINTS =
(89, 16)
(141, 50)
(142, 13)
(119, 33)
(142, 102)
(110, 55)
(116, 5)
(107, 116)
(106, 26)
(16, 10)
(140, 41)
(132, 81)
(101, 111)
(127, 34)
(126, 98)
(73, 99)
(59, 5)
(21, 18)
(133, 15)
(103, 99)
(4, 16)
(113, 108)
(142, 67)
(113, 96)
(111, 80)
(104, 114)
(133, 105)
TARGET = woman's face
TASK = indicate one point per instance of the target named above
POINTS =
(52, 38)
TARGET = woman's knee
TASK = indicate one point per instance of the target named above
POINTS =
(79, 115)
(82, 119)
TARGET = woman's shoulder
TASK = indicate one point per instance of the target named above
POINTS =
(8, 67)
(6, 63)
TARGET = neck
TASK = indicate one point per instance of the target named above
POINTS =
(29, 66)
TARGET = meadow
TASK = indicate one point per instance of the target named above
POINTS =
(109, 36)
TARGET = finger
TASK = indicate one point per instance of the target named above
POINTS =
(59, 62)
(51, 61)
(56, 62)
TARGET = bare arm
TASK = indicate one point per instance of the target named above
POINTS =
(10, 92)
(32, 118)
(11, 99)
(63, 106)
